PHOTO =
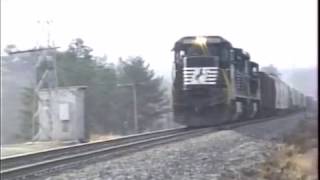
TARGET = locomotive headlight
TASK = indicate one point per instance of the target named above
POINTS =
(200, 40)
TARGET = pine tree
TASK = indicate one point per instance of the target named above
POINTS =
(77, 67)
(152, 100)
(109, 108)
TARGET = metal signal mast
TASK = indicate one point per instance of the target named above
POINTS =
(47, 79)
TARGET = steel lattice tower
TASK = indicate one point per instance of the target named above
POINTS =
(46, 79)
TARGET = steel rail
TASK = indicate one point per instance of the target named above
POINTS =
(34, 157)
(60, 158)
(68, 155)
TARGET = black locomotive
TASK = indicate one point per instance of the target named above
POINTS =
(215, 83)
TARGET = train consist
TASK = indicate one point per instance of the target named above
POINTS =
(215, 83)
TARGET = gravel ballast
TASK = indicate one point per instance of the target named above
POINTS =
(228, 154)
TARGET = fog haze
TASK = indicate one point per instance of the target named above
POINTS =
(278, 32)
(282, 33)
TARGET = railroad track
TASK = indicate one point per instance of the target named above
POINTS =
(36, 164)
(33, 165)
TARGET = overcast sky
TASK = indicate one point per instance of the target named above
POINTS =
(279, 32)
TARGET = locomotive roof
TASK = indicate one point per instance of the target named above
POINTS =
(210, 40)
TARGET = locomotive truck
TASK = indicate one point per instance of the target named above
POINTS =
(216, 83)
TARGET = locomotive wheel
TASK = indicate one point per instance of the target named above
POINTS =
(234, 116)
(210, 116)
(252, 109)
(207, 116)
(249, 113)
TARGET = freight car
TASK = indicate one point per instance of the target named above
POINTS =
(215, 83)
(311, 104)
(275, 95)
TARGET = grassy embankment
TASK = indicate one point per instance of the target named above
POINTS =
(297, 158)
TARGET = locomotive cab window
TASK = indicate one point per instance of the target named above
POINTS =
(254, 69)
(182, 53)
(179, 56)
(196, 50)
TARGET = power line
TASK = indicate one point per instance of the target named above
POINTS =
(32, 50)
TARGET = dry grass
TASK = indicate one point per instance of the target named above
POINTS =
(289, 164)
(304, 137)
(27, 147)
(297, 158)
(100, 137)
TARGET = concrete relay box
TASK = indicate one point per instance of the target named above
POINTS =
(62, 114)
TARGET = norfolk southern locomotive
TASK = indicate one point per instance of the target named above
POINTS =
(215, 83)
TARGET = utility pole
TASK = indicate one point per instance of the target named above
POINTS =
(135, 110)
(135, 115)
(133, 87)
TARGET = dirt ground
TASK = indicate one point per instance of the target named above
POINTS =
(15, 149)
(30, 147)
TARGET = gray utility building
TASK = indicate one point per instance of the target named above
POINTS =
(61, 114)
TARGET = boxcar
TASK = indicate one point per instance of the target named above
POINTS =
(294, 99)
(311, 105)
(275, 95)
(268, 101)
(282, 96)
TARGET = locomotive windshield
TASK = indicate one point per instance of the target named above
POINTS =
(203, 50)
(216, 51)
(203, 46)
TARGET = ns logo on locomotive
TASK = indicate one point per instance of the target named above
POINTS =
(215, 83)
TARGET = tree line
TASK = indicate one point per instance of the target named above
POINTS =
(108, 107)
